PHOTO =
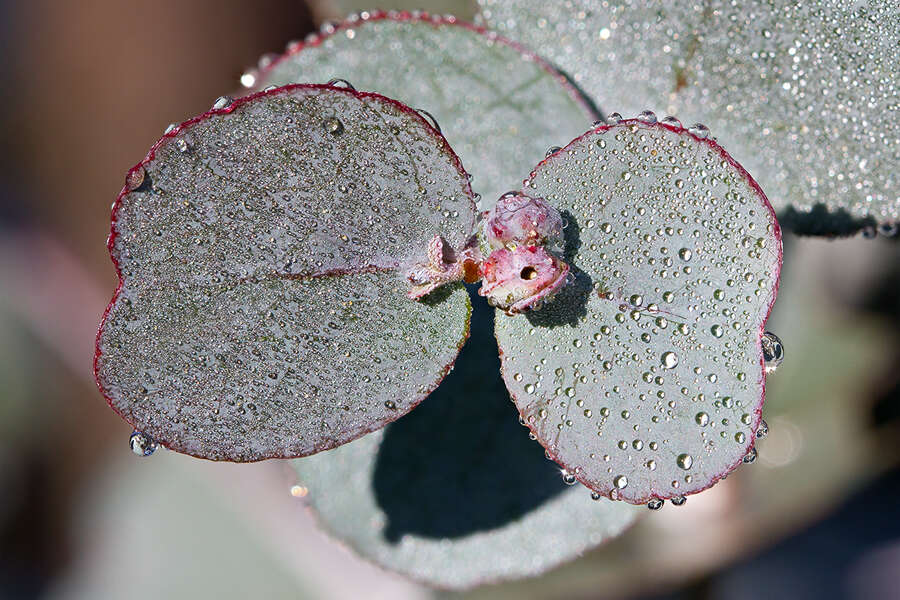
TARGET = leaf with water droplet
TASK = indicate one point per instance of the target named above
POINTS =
(624, 376)
(499, 106)
(261, 250)
(456, 494)
(804, 95)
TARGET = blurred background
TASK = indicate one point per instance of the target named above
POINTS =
(88, 87)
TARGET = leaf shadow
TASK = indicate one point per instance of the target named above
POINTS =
(569, 305)
(461, 463)
(822, 221)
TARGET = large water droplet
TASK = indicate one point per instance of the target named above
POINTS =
(685, 461)
(222, 102)
(699, 130)
(750, 456)
(773, 351)
(135, 178)
(669, 360)
(620, 482)
(655, 504)
(679, 500)
(334, 126)
(647, 116)
(142, 444)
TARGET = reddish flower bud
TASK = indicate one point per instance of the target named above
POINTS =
(521, 220)
(518, 279)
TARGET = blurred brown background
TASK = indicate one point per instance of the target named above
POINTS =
(88, 87)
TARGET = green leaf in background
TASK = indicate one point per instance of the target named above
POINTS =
(500, 107)
(262, 308)
(644, 376)
(455, 494)
(803, 95)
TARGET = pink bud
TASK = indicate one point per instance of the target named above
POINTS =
(517, 279)
(521, 220)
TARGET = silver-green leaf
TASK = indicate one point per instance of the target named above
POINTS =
(455, 494)
(644, 376)
(804, 95)
(501, 107)
(261, 309)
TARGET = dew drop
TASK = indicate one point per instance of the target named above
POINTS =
(568, 477)
(763, 430)
(673, 121)
(750, 456)
(699, 130)
(669, 360)
(620, 482)
(647, 116)
(135, 178)
(341, 83)
(685, 461)
(334, 126)
(773, 351)
(702, 419)
(685, 254)
(142, 444)
(717, 330)
(222, 102)
(655, 504)
(679, 500)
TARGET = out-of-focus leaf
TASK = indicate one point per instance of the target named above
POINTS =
(500, 107)
(644, 376)
(261, 310)
(803, 94)
(338, 9)
(455, 494)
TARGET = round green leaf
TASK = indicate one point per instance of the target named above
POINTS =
(644, 376)
(804, 94)
(500, 107)
(455, 494)
(261, 309)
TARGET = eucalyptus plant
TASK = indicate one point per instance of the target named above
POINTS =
(297, 267)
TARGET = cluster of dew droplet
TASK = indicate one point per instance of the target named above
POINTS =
(804, 95)
(655, 391)
(261, 293)
(499, 132)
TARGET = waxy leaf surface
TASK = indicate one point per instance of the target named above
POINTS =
(261, 310)
(644, 376)
(500, 107)
(455, 494)
(804, 95)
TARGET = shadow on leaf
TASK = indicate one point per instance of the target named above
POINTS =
(820, 221)
(570, 303)
(461, 463)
